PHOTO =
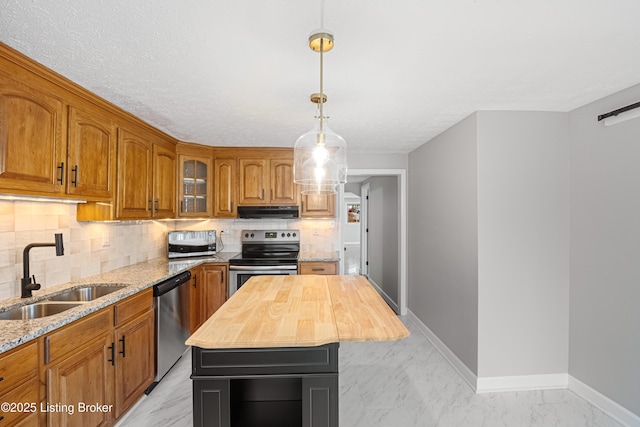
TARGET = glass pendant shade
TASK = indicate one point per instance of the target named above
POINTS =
(320, 160)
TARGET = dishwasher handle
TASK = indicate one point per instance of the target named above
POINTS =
(170, 284)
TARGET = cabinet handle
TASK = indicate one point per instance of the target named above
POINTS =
(271, 194)
(122, 340)
(222, 276)
(47, 350)
(231, 206)
(195, 281)
(61, 179)
(182, 206)
(262, 196)
(157, 205)
(75, 176)
(151, 205)
(112, 347)
(317, 269)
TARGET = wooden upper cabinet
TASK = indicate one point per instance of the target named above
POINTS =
(32, 145)
(254, 176)
(283, 190)
(91, 154)
(134, 176)
(318, 206)
(194, 186)
(146, 177)
(164, 182)
(225, 181)
(266, 181)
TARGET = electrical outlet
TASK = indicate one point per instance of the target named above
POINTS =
(105, 239)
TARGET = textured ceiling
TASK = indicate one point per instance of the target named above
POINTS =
(241, 72)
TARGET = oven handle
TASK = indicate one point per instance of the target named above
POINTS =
(262, 267)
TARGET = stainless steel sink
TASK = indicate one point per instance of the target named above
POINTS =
(87, 293)
(36, 310)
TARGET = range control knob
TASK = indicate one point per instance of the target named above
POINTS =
(246, 234)
(288, 234)
(282, 235)
(294, 234)
(252, 235)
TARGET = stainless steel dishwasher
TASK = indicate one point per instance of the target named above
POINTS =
(172, 322)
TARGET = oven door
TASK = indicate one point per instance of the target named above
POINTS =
(239, 274)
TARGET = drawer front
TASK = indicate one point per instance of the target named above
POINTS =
(83, 331)
(265, 361)
(312, 267)
(133, 306)
(18, 364)
(22, 401)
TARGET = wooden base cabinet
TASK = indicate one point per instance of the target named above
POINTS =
(318, 267)
(97, 367)
(83, 378)
(19, 384)
(134, 339)
(209, 289)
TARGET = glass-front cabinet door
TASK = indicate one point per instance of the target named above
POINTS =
(195, 186)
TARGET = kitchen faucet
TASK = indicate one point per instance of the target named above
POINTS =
(29, 283)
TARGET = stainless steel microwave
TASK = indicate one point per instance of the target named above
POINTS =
(181, 244)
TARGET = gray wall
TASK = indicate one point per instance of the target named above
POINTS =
(604, 349)
(443, 246)
(384, 228)
(523, 243)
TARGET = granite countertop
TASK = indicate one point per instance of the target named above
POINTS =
(135, 278)
(319, 256)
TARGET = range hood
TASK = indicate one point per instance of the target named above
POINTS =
(267, 212)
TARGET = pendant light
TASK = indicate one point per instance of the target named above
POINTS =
(320, 155)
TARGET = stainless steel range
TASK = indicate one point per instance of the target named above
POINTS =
(264, 252)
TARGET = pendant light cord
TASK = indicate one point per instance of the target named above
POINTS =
(321, 66)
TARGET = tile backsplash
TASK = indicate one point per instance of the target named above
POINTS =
(97, 247)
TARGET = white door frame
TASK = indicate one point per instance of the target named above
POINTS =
(364, 225)
(402, 244)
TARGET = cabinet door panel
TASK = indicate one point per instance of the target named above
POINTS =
(91, 154)
(215, 290)
(225, 188)
(283, 189)
(194, 186)
(31, 142)
(134, 361)
(253, 181)
(87, 377)
(164, 179)
(318, 206)
(134, 175)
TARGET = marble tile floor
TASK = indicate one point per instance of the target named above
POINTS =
(405, 383)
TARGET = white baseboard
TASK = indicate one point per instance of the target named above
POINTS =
(602, 402)
(522, 382)
(528, 382)
(457, 364)
(384, 295)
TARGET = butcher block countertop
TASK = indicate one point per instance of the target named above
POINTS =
(300, 311)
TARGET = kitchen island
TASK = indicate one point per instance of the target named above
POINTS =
(269, 355)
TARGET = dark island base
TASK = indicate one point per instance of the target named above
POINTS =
(264, 387)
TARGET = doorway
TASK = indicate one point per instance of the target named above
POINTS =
(381, 241)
